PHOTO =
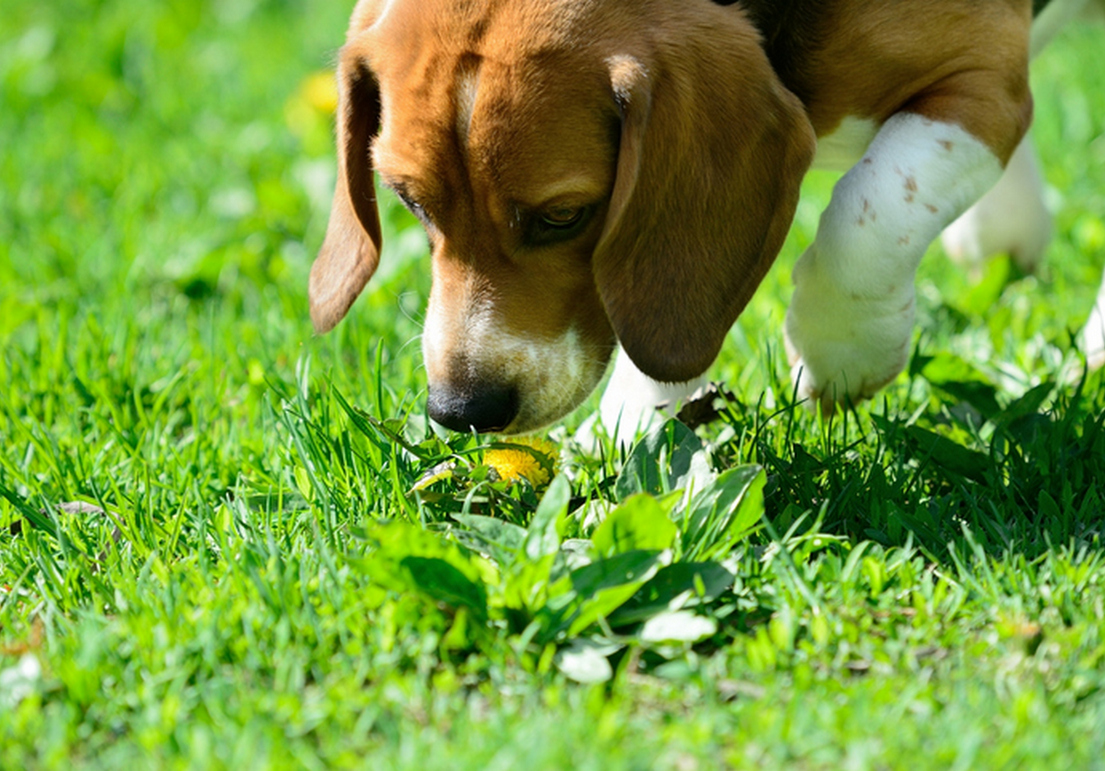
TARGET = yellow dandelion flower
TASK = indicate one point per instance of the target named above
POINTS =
(526, 457)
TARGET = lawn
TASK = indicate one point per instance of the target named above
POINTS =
(226, 542)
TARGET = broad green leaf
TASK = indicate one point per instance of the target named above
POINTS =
(668, 458)
(640, 522)
(601, 605)
(1022, 420)
(502, 540)
(606, 584)
(526, 585)
(723, 513)
(948, 454)
(630, 567)
(445, 583)
(1029, 403)
(397, 542)
(695, 474)
(674, 587)
(542, 537)
(964, 382)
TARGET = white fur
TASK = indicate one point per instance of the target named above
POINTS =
(1092, 339)
(631, 403)
(850, 321)
(468, 85)
(1010, 219)
(840, 150)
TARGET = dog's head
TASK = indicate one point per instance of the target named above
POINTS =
(587, 173)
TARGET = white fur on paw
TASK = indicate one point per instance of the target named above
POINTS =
(843, 348)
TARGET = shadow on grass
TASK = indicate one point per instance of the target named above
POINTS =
(964, 470)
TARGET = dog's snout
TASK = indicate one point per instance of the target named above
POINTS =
(482, 410)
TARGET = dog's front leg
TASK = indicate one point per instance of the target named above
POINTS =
(633, 403)
(850, 321)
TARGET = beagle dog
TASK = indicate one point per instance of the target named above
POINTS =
(596, 173)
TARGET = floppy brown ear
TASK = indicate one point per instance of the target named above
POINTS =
(351, 250)
(713, 149)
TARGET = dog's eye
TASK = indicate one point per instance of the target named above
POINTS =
(558, 224)
(562, 218)
(413, 206)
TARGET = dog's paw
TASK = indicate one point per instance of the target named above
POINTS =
(843, 347)
(856, 378)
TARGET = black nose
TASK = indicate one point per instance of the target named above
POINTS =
(473, 409)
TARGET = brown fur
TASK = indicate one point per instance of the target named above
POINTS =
(953, 61)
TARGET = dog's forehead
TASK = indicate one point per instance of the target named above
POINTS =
(514, 24)
(425, 46)
(514, 97)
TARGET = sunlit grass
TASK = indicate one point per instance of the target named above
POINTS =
(277, 563)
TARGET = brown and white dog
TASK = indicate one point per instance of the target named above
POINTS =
(595, 173)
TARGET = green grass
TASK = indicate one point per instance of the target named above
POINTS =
(256, 583)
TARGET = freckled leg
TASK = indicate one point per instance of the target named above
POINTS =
(1010, 219)
(629, 403)
(850, 321)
